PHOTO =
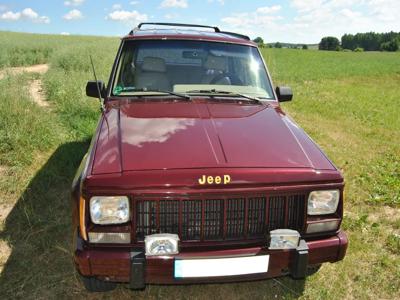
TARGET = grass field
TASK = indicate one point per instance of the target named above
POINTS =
(348, 102)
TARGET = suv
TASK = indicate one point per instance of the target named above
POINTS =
(195, 174)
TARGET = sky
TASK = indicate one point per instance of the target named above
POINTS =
(297, 21)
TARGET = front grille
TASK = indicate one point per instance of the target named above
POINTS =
(229, 218)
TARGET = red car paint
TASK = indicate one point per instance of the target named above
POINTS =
(159, 149)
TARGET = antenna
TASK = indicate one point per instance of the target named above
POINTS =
(97, 85)
(102, 107)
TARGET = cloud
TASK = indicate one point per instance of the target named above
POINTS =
(171, 16)
(116, 6)
(73, 2)
(313, 19)
(128, 17)
(305, 5)
(73, 15)
(262, 16)
(222, 2)
(268, 9)
(65, 33)
(134, 2)
(10, 16)
(27, 14)
(174, 3)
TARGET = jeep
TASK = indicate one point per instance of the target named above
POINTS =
(195, 174)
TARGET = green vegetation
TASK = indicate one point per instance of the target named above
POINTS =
(329, 43)
(346, 101)
(371, 41)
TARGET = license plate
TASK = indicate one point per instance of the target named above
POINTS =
(230, 266)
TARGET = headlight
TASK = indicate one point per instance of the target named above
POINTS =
(161, 244)
(284, 239)
(109, 210)
(323, 202)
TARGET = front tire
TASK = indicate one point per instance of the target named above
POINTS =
(313, 269)
(92, 284)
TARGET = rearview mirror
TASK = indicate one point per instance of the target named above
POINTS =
(284, 93)
(93, 88)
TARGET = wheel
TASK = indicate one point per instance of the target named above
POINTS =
(93, 284)
(313, 269)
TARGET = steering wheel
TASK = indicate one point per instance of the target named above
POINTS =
(232, 78)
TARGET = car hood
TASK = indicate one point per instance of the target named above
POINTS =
(175, 135)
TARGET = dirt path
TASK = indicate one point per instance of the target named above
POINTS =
(37, 96)
(41, 69)
(36, 92)
(35, 86)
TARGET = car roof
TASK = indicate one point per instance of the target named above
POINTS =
(187, 33)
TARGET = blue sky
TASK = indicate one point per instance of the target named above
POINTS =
(303, 21)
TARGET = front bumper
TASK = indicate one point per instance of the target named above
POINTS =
(122, 265)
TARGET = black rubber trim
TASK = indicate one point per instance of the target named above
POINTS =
(298, 269)
(138, 268)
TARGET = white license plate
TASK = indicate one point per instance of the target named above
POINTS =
(186, 268)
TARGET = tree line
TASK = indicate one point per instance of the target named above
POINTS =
(369, 41)
(261, 44)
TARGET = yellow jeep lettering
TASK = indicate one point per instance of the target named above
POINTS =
(204, 179)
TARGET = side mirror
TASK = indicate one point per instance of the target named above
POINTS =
(92, 91)
(284, 93)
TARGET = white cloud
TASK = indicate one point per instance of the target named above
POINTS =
(222, 2)
(171, 16)
(73, 2)
(116, 6)
(305, 5)
(174, 3)
(65, 33)
(314, 19)
(268, 9)
(73, 15)
(128, 17)
(10, 16)
(134, 2)
(263, 16)
(26, 14)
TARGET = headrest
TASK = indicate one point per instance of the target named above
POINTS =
(215, 63)
(153, 64)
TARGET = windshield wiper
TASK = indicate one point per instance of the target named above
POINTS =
(133, 89)
(225, 93)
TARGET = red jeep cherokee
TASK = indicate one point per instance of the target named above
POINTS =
(195, 174)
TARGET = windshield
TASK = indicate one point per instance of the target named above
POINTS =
(190, 67)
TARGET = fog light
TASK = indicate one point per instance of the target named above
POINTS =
(110, 237)
(284, 239)
(161, 244)
(322, 226)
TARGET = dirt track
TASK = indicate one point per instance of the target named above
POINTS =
(35, 86)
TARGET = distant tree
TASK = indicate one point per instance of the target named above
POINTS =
(278, 45)
(371, 41)
(259, 41)
(392, 45)
(329, 43)
(304, 47)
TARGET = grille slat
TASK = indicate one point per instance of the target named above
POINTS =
(219, 219)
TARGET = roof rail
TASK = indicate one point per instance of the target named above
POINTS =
(238, 35)
(216, 29)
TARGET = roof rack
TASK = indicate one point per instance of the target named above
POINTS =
(238, 35)
(216, 29)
